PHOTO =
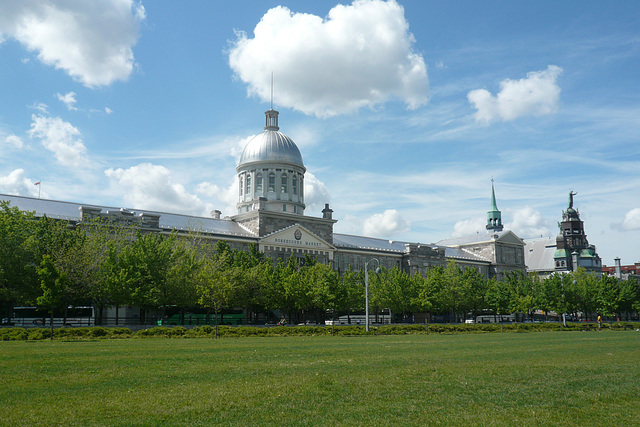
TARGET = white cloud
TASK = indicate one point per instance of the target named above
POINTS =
(14, 141)
(527, 223)
(220, 198)
(236, 147)
(358, 56)
(468, 227)
(61, 138)
(16, 183)
(69, 100)
(42, 107)
(90, 40)
(384, 225)
(631, 220)
(316, 194)
(536, 95)
(149, 186)
(108, 110)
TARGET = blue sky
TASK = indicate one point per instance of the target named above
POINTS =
(403, 111)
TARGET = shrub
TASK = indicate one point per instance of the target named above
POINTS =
(97, 332)
(162, 331)
(71, 332)
(625, 326)
(39, 334)
(120, 333)
(13, 334)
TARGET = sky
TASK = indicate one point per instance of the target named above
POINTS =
(404, 111)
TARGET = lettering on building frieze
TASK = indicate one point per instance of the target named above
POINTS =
(297, 242)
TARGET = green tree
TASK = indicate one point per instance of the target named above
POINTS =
(216, 284)
(327, 292)
(55, 288)
(19, 283)
(452, 294)
(549, 296)
(474, 286)
(144, 269)
(607, 295)
(497, 297)
(62, 245)
(521, 293)
(396, 290)
(629, 296)
(581, 291)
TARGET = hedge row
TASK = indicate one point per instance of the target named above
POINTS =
(13, 334)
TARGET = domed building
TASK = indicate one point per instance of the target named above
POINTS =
(271, 172)
(271, 215)
(271, 198)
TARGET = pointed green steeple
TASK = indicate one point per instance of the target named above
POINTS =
(494, 216)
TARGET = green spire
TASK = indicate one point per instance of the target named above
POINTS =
(494, 216)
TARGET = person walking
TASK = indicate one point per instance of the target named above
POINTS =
(599, 323)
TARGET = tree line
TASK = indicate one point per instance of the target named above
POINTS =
(52, 264)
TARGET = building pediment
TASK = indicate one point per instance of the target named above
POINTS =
(511, 238)
(296, 238)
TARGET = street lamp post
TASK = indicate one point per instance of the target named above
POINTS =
(366, 290)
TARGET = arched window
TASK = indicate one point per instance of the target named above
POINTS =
(249, 184)
(272, 181)
(294, 184)
(259, 183)
(241, 187)
(283, 186)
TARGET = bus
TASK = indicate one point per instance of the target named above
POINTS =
(226, 317)
(383, 317)
(27, 317)
(496, 318)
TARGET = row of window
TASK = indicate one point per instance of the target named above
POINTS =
(245, 184)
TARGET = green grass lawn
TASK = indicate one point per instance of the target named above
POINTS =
(553, 378)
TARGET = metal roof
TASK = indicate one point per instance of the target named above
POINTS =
(348, 241)
(473, 238)
(538, 254)
(168, 221)
(271, 146)
(71, 211)
(458, 253)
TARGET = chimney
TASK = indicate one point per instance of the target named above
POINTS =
(216, 214)
(262, 203)
(327, 213)
(618, 268)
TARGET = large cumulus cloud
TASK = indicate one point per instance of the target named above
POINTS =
(535, 95)
(385, 225)
(90, 40)
(17, 183)
(61, 138)
(360, 55)
(149, 186)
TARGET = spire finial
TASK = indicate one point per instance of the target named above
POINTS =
(494, 217)
(271, 122)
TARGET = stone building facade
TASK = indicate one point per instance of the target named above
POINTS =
(271, 215)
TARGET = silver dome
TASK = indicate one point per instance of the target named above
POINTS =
(273, 147)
